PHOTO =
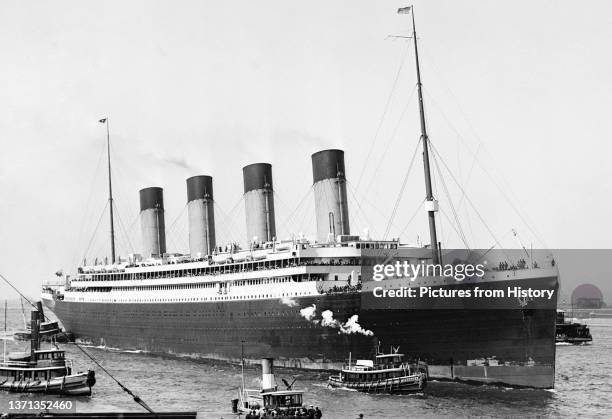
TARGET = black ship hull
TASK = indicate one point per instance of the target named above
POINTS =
(509, 346)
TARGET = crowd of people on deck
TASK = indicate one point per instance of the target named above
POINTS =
(520, 264)
(346, 288)
(291, 413)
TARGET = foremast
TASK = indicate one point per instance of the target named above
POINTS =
(431, 203)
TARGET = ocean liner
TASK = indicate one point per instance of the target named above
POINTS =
(306, 303)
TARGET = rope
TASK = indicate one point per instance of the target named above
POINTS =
(382, 118)
(450, 202)
(290, 217)
(393, 135)
(227, 222)
(172, 232)
(88, 203)
(489, 175)
(466, 196)
(401, 192)
(307, 221)
(127, 237)
(354, 195)
(412, 218)
(95, 230)
(367, 201)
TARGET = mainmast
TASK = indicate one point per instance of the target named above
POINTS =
(431, 205)
(110, 191)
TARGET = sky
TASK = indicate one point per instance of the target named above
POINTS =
(517, 97)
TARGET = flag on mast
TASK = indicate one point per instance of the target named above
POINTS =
(404, 10)
(103, 120)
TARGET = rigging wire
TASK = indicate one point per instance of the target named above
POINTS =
(119, 174)
(365, 199)
(412, 217)
(506, 185)
(307, 221)
(462, 197)
(122, 226)
(130, 229)
(467, 197)
(401, 192)
(459, 232)
(359, 207)
(384, 114)
(87, 204)
(95, 231)
(118, 198)
(357, 218)
(393, 135)
(507, 189)
(123, 387)
(287, 223)
(227, 221)
(450, 203)
(297, 207)
(172, 232)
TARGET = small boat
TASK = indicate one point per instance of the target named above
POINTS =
(286, 403)
(387, 373)
(47, 371)
(43, 370)
(47, 330)
(571, 332)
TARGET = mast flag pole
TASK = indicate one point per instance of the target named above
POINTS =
(431, 204)
(110, 190)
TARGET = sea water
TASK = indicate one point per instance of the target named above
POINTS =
(583, 386)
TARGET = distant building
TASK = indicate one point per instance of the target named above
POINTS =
(587, 296)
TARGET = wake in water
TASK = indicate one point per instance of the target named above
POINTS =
(113, 349)
(327, 386)
(573, 344)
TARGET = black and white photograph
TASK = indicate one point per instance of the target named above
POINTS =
(286, 209)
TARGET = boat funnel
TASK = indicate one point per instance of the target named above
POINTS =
(329, 184)
(39, 307)
(267, 377)
(259, 202)
(35, 334)
(200, 209)
(152, 223)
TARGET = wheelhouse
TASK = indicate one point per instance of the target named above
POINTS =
(280, 399)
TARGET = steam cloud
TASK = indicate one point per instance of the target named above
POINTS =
(309, 312)
(351, 326)
(327, 320)
(289, 301)
(174, 160)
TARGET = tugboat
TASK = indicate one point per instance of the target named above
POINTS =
(387, 373)
(286, 403)
(571, 332)
(47, 331)
(43, 370)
